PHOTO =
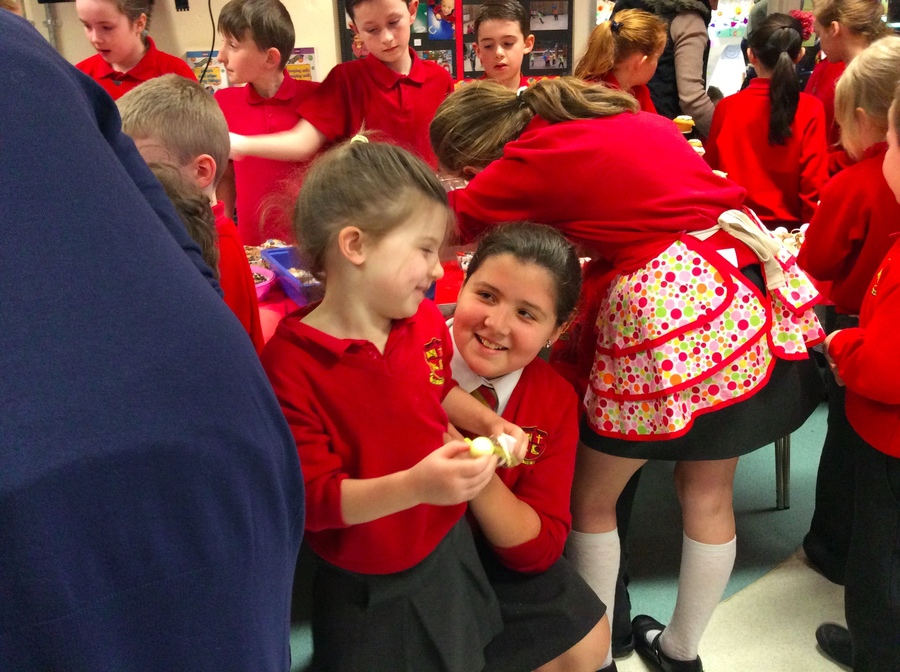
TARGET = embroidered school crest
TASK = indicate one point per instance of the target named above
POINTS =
(537, 441)
(434, 357)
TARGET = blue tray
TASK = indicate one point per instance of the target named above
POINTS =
(281, 260)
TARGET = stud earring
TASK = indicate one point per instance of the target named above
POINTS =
(549, 343)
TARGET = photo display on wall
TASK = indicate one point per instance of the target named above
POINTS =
(444, 32)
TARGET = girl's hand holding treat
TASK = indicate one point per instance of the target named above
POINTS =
(442, 479)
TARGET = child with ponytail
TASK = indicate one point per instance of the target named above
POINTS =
(770, 138)
(623, 53)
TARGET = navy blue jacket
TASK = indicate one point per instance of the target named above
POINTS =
(151, 501)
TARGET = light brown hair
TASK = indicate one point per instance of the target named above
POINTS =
(371, 185)
(472, 125)
(181, 116)
(629, 32)
(266, 22)
(862, 17)
(869, 83)
(192, 206)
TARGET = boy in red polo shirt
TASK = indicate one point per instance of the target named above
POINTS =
(502, 38)
(257, 40)
(175, 121)
(125, 56)
(391, 91)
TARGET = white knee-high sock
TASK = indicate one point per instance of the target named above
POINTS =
(596, 557)
(704, 574)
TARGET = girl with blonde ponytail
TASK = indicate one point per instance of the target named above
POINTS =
(681, 352)
(623, 53)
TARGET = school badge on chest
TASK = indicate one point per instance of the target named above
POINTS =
(434, 357)
(537, 441)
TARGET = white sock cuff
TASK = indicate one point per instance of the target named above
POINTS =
(729, 547)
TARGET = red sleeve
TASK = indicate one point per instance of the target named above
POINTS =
(500, 193)
(328, 107)
(867, 358)
(547, 484)
(182, 68)
(838, 160)
(323, 471)
(236, 281)
(711, 147)
(813, 161)
(837, 230)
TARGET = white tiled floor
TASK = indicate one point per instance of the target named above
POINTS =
(770, 625)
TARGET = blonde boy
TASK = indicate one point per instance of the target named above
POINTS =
(173, 120)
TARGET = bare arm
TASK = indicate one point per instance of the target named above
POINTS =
(505, 519)
(445, 477)
(298, 144)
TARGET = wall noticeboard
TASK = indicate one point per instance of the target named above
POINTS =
(443, 31)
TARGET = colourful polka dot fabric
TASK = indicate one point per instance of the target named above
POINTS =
(688, 333)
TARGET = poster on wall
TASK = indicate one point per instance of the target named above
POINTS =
(439, 25)
(206, 66)
(302, 64)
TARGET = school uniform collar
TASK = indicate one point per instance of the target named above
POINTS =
(470, 381)
(331, 346)
(759, 85)
(285, 92)
(143, 71)
(878, 149)
(387, 78)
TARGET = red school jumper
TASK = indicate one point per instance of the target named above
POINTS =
(850, 234)
(399, 107)
(235, 277)
(248, 113)
(544, 480)
(153, 64)
(357, 413)
(821, 84)
(867, 360)
(639, 216)
(782, 181)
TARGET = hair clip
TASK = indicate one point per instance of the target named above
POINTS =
(359, 137)
(614, 26)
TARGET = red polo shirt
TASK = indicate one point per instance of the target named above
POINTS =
(358, 413)
(867, 360)
(235, 277)
(639, 91)
(782, 181)
(850, 234)
(366, 91)
(153, 64)
(248, 113)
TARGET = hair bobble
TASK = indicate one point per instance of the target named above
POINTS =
(519, 92)
(359, 137)
(614, 26)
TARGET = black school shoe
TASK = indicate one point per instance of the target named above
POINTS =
(623, 648)
(835, 641)
(651, 652)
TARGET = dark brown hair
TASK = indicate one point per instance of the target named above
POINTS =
(539, 245)
(503, 10)
(192, 206)
(777, 42)
(266, 22)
